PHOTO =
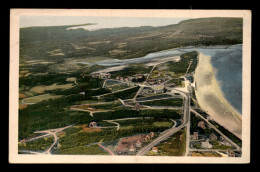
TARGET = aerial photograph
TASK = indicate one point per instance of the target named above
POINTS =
(130, 86)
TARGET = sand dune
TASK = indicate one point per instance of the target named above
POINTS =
(211, 99)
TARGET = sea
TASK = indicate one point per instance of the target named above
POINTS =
(227, 64)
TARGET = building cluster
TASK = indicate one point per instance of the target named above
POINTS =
(137, 77)
(136, 107)
(163, 73)
(134, 145)
(156, 81)
(101, 75)
(149, 136)
(205, 140)
(230, 153)
(153, 90)
(125, 79)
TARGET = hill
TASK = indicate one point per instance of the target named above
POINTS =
(59, 42)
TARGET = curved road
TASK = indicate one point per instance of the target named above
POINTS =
(52, 132)
(164, 135)
(109, 151)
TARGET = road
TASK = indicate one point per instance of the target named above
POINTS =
(142, 84)
(163, 107)
(188, 68)
(115, 92)
(52, 132)
(109, 151)
(123, 119)
(164, 135)
(208, 150)
(38, 137)
(112, 122)
(162, 98)
(31, 152)
(90, 112)
(211, 125)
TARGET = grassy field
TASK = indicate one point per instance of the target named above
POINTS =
(127, 94)
(178, 81)
(92, 59)
(84, 150)
(42, 88)
(163, 124)
(40, 98)
(164, 102)
(117, 87)
(132, 69)
(205, 154)
(88, 102)
(95, 107)
(181, 66)
(173, 146)
(129, 124)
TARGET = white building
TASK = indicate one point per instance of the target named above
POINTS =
(206, 144)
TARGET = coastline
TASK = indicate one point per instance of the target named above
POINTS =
(211, 98)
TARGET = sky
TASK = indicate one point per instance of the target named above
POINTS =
(100, 22)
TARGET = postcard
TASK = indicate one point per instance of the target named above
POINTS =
(129, 86)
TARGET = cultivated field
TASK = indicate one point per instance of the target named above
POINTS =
(42, 88)
(40, 98)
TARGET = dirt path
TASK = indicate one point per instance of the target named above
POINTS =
(109, 151)
(52, 132)
(90, 112)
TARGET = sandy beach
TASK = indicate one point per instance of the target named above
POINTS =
(211, 99)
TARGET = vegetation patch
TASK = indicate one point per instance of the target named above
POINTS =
(164, 102)
(205, 154)
(126, 94)
(42, 88)
(21, 95)
(37, 145)
(83, 150)
(187, 61)
(40, 98)
(23, 106)
(131, 70)
(86, 129)
(162, 124)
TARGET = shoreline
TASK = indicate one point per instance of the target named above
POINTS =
(211, 98)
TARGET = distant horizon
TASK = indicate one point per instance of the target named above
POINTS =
(98, 22)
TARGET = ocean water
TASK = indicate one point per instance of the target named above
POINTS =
(227, 64)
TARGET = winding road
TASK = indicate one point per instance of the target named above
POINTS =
(166, 134)
(52, 132)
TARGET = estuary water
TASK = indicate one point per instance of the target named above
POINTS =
(226, 61)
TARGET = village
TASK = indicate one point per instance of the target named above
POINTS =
(169, 126)
(206, 139)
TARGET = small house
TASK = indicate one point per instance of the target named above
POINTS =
(138, 143)
(132, 148)
(155, 149)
